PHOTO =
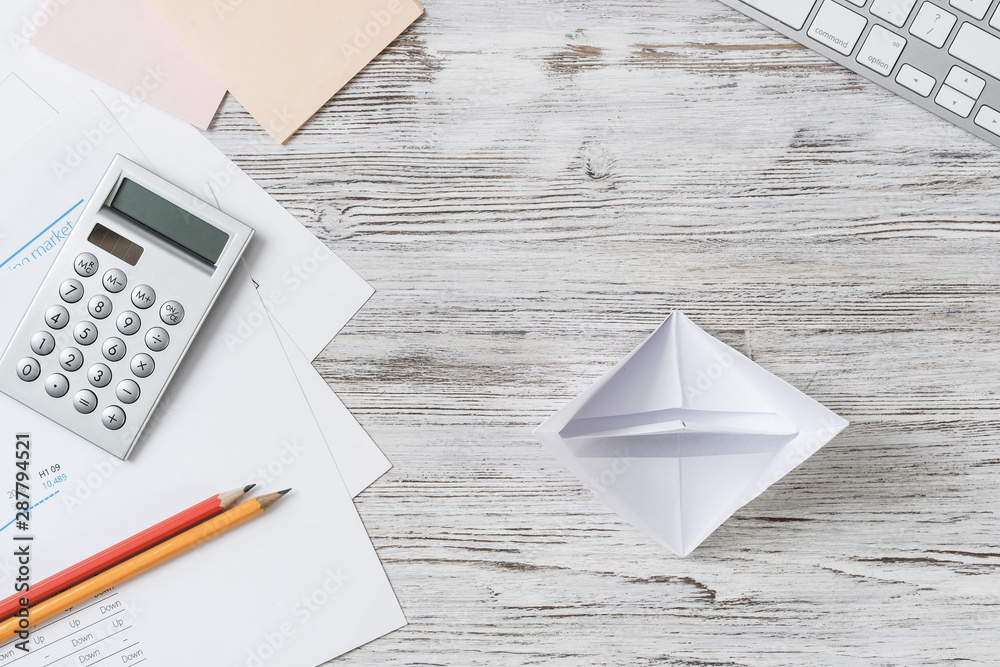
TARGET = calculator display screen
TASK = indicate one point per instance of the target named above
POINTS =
(171, 221)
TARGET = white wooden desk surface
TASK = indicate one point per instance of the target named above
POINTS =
(532, 187)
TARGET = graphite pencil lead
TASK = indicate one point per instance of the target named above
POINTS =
(229, 497)
(248, 487)
(270, 499)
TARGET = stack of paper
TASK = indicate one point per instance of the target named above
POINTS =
(282, 60)
(295, 588)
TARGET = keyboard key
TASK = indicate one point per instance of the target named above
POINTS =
(99, 375)
(965, 82)
(85, 333)
(127, 392)
(42, 343)
(115, 280)
(129, 323)
(143, 296)
(974, 8)
(86, 264)
(978, 48)
(85, 401)
(113, 418)
(894, 11)
(28, 369)
(792, 13)
(71, 359)
(157, 339)
(172, 313)
(989, 119)
(995, 21)
(99, 307)
(881, 50)
(954, 101)
(837, 27)
(933, 24)
(113, 349)
(57, 317)
(142, 365)
(56, 385)
(71, 290)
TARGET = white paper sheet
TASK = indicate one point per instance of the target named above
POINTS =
(23, 112)
(683, 432)
(295, 587)
(359, 459)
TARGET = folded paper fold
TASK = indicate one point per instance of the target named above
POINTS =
(683, 432)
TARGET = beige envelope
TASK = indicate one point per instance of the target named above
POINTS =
(284, 60)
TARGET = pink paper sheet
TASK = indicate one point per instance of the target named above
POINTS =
(122, 42)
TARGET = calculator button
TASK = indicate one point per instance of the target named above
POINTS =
(71, 290)
(42, 343)
(57, 317)
(142, 365)
(143, 296)
(127, 391)
(157, 339)
(28, 369)
(115, 280)
(99, 375)
(86, 264)
(171, 313)
(129, 323)
(113, 349)
(71, 359)
(84, 401)
(99, 307)
(56, 385)
(85, 333)
(113, 417)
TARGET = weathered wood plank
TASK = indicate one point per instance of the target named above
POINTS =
(532, 188)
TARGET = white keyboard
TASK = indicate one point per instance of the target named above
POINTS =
(941, 54)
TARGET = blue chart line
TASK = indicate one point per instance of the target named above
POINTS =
(58, 220)
(11, 522)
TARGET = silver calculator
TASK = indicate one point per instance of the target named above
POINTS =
(120, 306)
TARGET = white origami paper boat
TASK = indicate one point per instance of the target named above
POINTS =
(683, 432)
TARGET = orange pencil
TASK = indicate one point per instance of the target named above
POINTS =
(175, 546)
(122, 551)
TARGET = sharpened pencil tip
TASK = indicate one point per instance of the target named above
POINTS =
(281, 493)
(248, 487)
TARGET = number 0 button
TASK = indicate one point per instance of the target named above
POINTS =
(142, 365)
(113, 417)
(28, 369)
(99, 375)
(113, 349)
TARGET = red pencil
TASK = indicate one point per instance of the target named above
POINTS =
(122, 551)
